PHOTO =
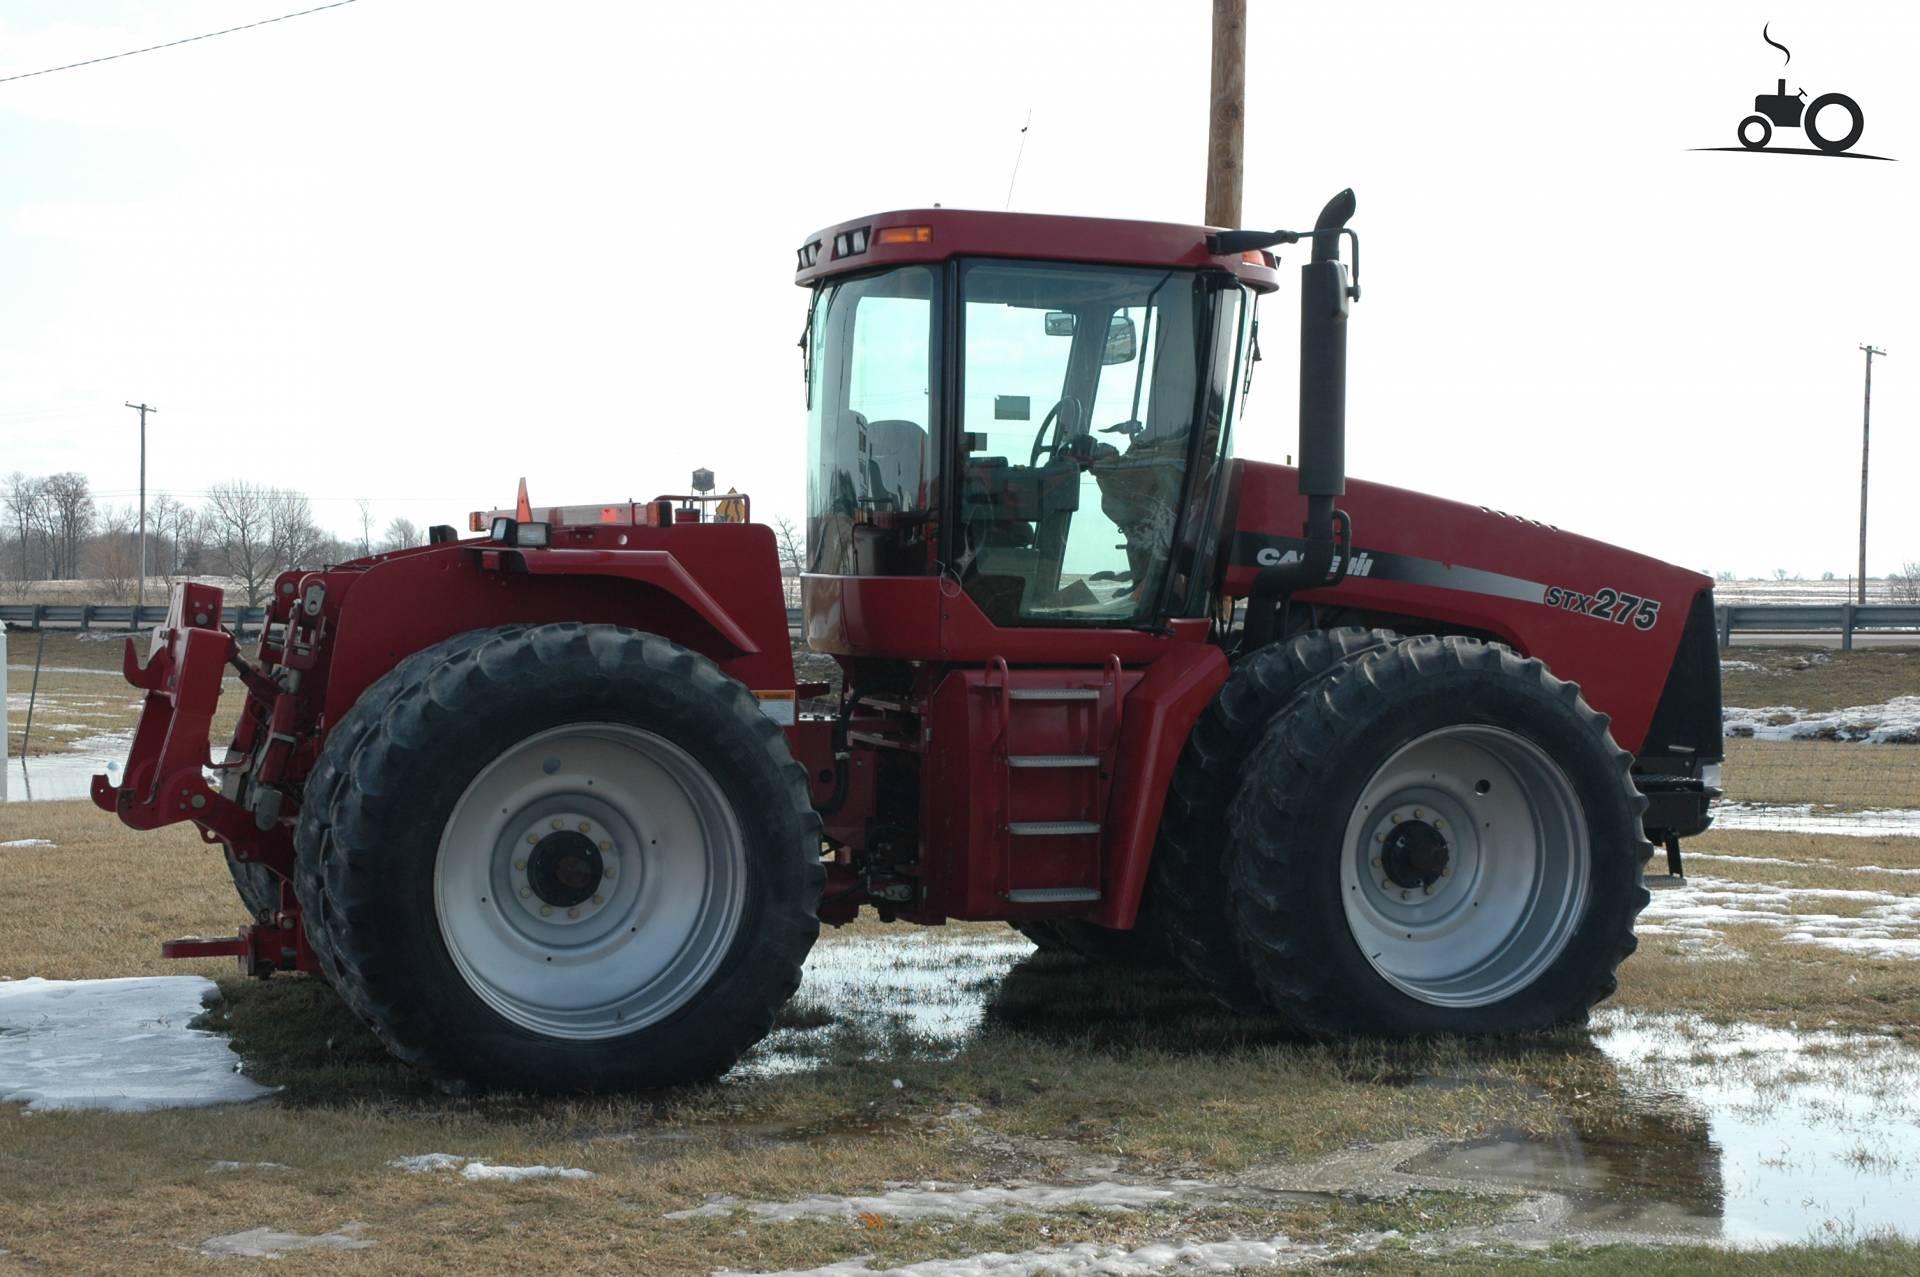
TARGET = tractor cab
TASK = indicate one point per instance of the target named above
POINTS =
(1028, 413)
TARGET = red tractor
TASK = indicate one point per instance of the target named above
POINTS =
(539, 806)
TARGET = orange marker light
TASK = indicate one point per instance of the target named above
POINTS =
(1257, 257)
(904, 235)
(522, 511)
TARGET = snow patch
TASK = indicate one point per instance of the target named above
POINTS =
(935, 1200)
(114, 1044)
(248, 1166)
(1896, 721)
(267, 1243)
(1089, 1258)
(27, 842)
(1889, 927)
(1804, 818)
(472, 1168)
(515, 1174)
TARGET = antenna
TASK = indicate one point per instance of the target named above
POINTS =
(1016, 157)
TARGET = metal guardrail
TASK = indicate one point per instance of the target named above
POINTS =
(1844, 619)
(109, 616)
(120, 616)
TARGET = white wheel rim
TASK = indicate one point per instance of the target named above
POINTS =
(590, 880)
(1480, 920)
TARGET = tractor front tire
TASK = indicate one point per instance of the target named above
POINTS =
(1443, 838)
(569, 858)
(1188, 888)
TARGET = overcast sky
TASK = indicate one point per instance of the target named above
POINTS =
(410, 251)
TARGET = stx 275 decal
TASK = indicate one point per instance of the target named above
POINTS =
(1607, 604)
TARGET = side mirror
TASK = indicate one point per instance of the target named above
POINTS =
(1123, 343)
(1061, 323)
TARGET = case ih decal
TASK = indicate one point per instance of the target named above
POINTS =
(1609, 603)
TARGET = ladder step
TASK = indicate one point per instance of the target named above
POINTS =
(1051, 895)
(1043, 828)
(1052, 760)
(1055, 694)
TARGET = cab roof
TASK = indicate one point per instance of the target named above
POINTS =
(936, 234)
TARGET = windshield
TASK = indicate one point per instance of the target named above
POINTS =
(1080, 391)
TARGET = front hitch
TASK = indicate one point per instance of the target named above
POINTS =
(165, 777)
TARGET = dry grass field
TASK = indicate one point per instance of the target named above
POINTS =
(1067, 1073)
(955, 1057)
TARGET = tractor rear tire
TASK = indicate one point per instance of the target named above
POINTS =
(1188, 888)
(313, 833)
(1442, 839)
(570, 858)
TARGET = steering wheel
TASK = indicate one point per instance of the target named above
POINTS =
(1040, 443)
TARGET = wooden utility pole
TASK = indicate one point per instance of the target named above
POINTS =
(1227, 114)
(140, 591)
(1866, 422)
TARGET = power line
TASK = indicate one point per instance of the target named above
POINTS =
(28, 75)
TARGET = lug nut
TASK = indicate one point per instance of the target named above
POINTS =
(554, 823)
(520, 866)
(1404, 895)
(573, 913)
(606, 844)
(585, 825)
(525, 892)
(546, 911)
(1428, 889)
(608, 872)
(532, 839)
(1418, 814)
(1376, 862)
(599, 900)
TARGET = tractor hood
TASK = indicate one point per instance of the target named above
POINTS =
(1609, 618)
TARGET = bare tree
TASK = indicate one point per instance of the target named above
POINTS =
(1904, 586)
(24, 498)
(115, 553)
(401, 533)
(366, 527)
(294, 539)
(791, 545)
(70, 511)
(239, 533)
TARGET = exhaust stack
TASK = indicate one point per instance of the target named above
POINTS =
(1326, 294)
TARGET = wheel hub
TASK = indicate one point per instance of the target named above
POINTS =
(1415, 854)
(565, 868)
(590, 880)
(1465, 865)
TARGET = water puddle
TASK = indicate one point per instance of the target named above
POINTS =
(1739, 1134)
(1736, 1135)
(920, 992)
(59, 777)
